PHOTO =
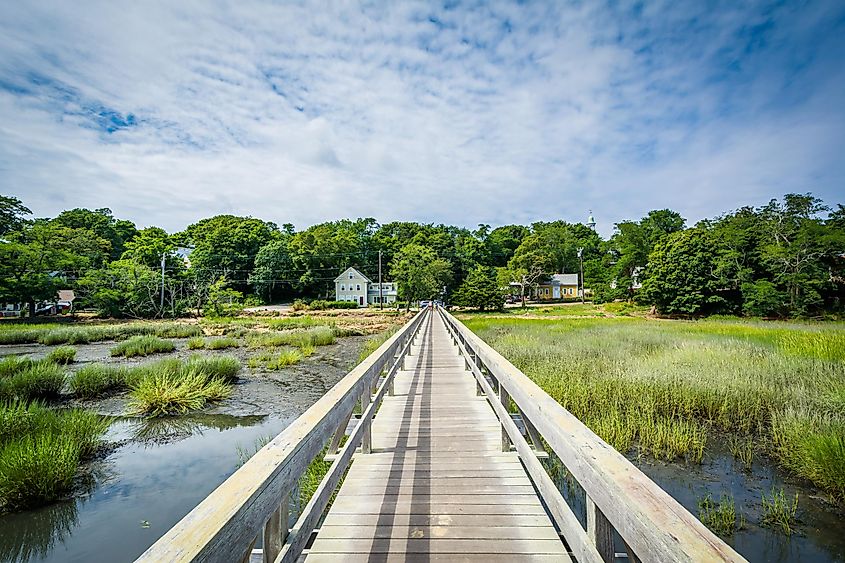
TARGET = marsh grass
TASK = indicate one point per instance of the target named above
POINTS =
(222, 343)
(175, 387)
(52, 334)
(284, 359)
(287, 323)
(315, 336)
(307, 350)
(660, 386)
(779, 512)
(40, 451)
(39, 380)
(196, 343)
(96, 380)
(742, 449)
(721, 517)
(62, 355)
(11, 365)
(142, 346)
(372, 343)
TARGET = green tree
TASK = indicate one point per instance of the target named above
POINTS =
(128, 288)
(36, 261)
(12, 213)
(149, 245)
(274, 271)
(222, 299)
(102, 223)
(480, 290)
(680, 276)
(419, 273)
(226, 246)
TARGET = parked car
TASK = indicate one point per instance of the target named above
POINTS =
(424, 304)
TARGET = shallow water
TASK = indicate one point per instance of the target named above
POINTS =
(139, 492)
(819, 532)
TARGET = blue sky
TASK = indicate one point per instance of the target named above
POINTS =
(464, 113)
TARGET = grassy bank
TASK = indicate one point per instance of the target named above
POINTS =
(40, 451)
(52, 334)
(662, 387)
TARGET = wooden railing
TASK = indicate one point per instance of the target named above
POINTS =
(226, 525)
(619, 497)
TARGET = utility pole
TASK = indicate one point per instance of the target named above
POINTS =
(162, 284)
(581, 276)
(380, 293)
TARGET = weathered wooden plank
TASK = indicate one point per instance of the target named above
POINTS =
(514, 546)
(426, 557)
(405, 519)
(447, 531)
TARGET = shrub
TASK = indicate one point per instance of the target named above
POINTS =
(299, 305)
(97, 379)
(320, 305)
(196, 343)
(222, 343)
(142, 346)
(40, 380)
(62, 355)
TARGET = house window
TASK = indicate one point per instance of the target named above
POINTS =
(343, 288)
(350, 276)
(547, 291)
(358, 287)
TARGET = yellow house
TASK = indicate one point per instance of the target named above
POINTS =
(561, 286)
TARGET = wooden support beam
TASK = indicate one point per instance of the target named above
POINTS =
(600, 531)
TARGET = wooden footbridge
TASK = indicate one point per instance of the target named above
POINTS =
(446, 462)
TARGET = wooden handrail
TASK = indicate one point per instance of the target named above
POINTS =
(223, 526)
(654, 526)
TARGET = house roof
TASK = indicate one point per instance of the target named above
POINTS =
(564, 279)
(343, 275)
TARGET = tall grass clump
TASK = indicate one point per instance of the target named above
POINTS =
(174, 387)
(62, 355)
(97, 333)
(287, 323)
(96, 380)
(196, 343)
(142, 346)
(40, 451)
(222, 343)
(40, 380)
(177, 393)
(14, 335)
(284, 359)
(10, 365)
(316, 336)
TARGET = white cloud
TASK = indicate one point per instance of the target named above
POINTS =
(496, 113)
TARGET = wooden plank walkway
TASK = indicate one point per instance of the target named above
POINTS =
(437, 485)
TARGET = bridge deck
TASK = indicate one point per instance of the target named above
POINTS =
(436, 485)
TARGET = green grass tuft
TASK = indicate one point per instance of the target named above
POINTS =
(40, 380)
(196, 343)
(284, 359)
(96, 380)
(222, 343)
(142, 346)
(177, 393)
(62, 355)
(720, 516)
(779, 512)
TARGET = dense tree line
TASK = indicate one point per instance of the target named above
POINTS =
(782, 259)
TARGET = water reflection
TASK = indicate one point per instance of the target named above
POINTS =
(139, 492)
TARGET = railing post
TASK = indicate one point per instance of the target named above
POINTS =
(367, 438)
(505, 399)
(276, 532)
(600, 531)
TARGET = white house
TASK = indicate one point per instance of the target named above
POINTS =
(354, 286)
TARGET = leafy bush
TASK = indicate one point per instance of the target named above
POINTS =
(62, 355)
(300, 305)
(142, 346)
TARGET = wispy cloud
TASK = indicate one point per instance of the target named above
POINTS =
(466, 113)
